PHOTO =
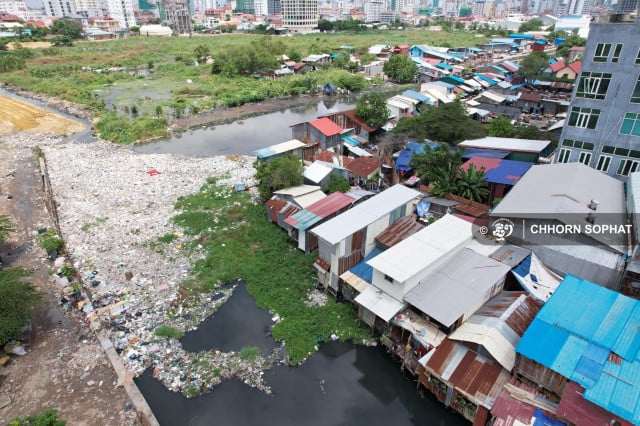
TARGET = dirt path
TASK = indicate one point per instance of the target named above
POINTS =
(65, 368)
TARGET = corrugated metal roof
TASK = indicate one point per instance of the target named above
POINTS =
(419, 96)
(326, 126)
(320, 209)
(582, 324)
(379, 302)
(563, 192)
(362, 269)
(499, 324)
(470, 207)
(340, 227)
(426, 247)
(459, 285)
(578, 410)
(280, 148)
(364, 166)
(510, 255)
(398, 231)
(510, 408)
(494, 97)
(478, 378)
(506, 172)
(296, 191)
(316, 172)
(507, 144)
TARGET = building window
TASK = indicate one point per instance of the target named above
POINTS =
(616, 53)
(585, 158)
(388, 278)
(563, 155)
(635, 96)
(602, 52)
(586, 118)
(631, 124)
(627, 166)
(638, 58)
(593, 85)
(603, 163)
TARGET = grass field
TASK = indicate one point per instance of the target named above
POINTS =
(157, 77)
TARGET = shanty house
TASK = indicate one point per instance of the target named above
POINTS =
(320, 211)
(347, 238)
(321, 132)
(501, 175)
(519, 149)
(591, 337)
(552, 208)
(288, 201)
(270, 153)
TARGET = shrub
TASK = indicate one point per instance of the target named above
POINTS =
(168, 331)
(250, 353)
(50, 241)
(17, 297)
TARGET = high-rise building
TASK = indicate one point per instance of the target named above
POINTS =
(627, 6)
(122, 11)
(602, 129)
(372, 10)
(245, 6)
(88, 8)
(300, 15)
(59, 8)
(274, 7)
(176, 15)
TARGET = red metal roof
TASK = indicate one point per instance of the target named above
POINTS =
(472, 374)
(363, 166)
(275, 203)
(326, 126)
(480, 163)
(398, 231)
(289, 209)
(471, 208)
(508, 67)
(528, 96)
(331, 204)
(578, 410)
(577, 49)
(508, 409)
(557, 66)
(576, 66)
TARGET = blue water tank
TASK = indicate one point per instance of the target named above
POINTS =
(559, 41)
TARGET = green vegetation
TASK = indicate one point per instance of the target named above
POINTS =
(372, 108)
(48, 417)
(280, 173)
(149, 72)
(232, 228)
(50, 241)
(501, 127)
(6, 227)
(69, 271)
(168, 331)
(534, 24)
(533, 65)
(167, 238)
(401, 69)
(448, 123)
(337, 184)
(250, 353)
(96, 222)
(17, 298)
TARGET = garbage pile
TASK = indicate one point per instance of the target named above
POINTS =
(113, 205)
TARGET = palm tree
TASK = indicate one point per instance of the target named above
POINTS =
(443, 177)
(471, 184)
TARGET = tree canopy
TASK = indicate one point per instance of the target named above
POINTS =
(48, 417)
(401, 69)
(372, 108)
(67, 28)
(277, 174)
(447, 123)
(260, 57)
(534, 24)
(501, 127)
(533, 65)
(337, 184)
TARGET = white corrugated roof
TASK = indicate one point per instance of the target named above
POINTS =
(508, 144)
(317, 171)
(340, 227)
(280, 148)
(458, 286)
(379, 302)
(296, 191)
(424, 248)
(493, 96)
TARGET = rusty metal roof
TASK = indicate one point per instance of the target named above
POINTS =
(471, 208)
(398, 231)
(578, 410)
(363, 166)
(473, 375)
(508, 409)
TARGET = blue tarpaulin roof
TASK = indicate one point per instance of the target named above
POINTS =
(418, 96)
(402, 162)
(453, 78)
(522, 36)
(351, 141)
(542, 420)
(486, 153)
(581, 325)
(416, 147)
(444, 65)
(508, 172)
(500, 69)
(447, 85)
(485, 78)
(362, 269)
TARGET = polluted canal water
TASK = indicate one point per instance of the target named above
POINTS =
(342, 384)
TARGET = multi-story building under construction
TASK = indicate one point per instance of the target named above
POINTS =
(176, 14)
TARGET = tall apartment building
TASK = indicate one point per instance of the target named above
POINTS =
(300, 15)
(372, 10)
(59, 8)
(627, 6)
(122, 11)
(88, 8)
(274, 7)
(602, 129)
(176, 14)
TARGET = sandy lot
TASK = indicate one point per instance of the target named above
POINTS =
(31, 45)
(19, 116)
